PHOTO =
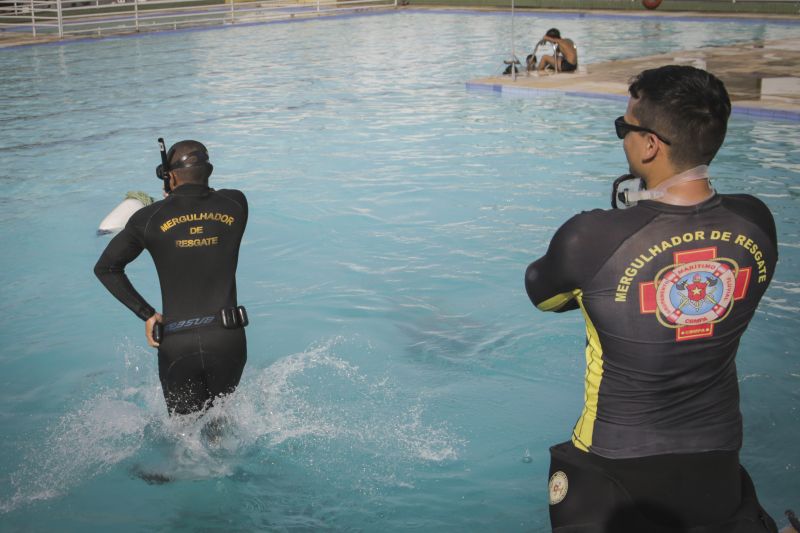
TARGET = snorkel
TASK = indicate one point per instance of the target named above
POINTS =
(162, 170)
(624, 195)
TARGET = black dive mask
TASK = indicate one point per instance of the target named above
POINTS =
(195, 158)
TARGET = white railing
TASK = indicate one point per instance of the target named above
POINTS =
(102, 17)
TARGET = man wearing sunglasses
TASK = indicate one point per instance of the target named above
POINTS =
(667, 287)
(193, 235)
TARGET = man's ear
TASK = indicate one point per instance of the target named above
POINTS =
(652, 148)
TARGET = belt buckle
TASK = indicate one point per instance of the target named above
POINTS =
(228, 317)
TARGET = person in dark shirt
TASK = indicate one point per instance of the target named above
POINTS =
(667, 288)
(193, 236)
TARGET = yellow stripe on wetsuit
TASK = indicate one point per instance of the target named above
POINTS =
(554, 303)
(584, 428)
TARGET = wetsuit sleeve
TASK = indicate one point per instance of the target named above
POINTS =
(110, 270)
(754, 210)
(553, 281)
(237, 197)
(243, 201)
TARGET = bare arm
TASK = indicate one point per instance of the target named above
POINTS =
(566, 47)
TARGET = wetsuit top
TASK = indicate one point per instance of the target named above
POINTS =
(193, 236)
(666, 292)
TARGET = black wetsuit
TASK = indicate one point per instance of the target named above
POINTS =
(193, 236)
(666, 292)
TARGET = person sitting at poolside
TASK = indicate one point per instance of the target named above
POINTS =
(530, 62)
(565, 48)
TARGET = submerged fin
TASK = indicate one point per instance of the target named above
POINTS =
(151, 478)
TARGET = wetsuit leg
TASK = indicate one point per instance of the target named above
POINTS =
(224, 357)
(197, 366)
(676, 489)
(182, 379)
(584, 499)
(659, 494)
(751, 517)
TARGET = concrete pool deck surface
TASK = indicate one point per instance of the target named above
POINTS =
(762, 78)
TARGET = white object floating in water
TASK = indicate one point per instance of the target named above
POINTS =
(119, 216)
(527, 457)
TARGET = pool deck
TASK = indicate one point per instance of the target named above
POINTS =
(763, 78)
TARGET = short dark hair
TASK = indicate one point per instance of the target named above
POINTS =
(553, 32)
(687, 105)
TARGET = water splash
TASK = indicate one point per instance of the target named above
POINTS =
(85, 442)
(316, 409)
(312, 408)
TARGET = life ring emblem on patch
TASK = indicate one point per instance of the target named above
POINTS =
(700, 292)
(558, 487)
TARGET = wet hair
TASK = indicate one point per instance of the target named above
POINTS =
(189, 160)
(553, 32)
(686, 105)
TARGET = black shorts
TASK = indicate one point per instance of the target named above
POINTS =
(700, 493)
(197, 365)
(566, 66)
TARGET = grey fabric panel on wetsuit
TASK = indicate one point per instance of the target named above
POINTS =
(565, 266)
(659, 395)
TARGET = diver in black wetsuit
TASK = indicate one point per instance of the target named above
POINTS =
(193, 236)
(667, 289)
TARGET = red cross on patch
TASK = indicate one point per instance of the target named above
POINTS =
(700, 267)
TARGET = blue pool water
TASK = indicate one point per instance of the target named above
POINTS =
(398, 377)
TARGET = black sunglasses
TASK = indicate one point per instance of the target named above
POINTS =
(623, 128)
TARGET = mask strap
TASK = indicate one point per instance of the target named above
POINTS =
(661, 193)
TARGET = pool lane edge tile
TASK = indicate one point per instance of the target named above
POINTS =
(753, 84)
(532, 92)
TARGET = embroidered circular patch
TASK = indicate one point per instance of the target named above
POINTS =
(696, 293)
(558, 487)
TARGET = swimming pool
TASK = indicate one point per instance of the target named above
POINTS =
(398, 377)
